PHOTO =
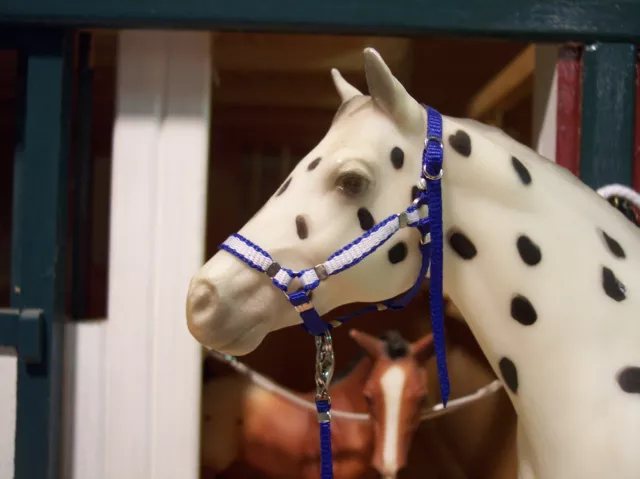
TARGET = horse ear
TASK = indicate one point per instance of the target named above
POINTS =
(389, 94)
(423, 348)
(373, 346)
(345, 89)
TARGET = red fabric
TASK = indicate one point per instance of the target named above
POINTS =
(568, 113)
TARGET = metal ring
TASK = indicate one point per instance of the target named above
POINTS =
(434, 138)
(273, 269)
(403, 220)
(430, 176)
(321, 272)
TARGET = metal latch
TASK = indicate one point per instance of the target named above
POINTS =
(22, 329)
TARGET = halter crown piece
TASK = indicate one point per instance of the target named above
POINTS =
(430, 229)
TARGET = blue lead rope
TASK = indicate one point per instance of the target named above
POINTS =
(432, 255)
(432, 157)
(326, 457)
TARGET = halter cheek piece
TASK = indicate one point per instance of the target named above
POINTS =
(430, 229)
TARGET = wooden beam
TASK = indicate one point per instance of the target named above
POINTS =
(281, 52)
(507, 88)
(535, 20)
(278, 89)
(277, 52)
(158, 198)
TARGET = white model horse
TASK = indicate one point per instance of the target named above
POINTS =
(543, 269)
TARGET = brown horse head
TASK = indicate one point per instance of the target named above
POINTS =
(395, 392)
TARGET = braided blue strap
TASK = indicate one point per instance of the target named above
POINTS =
(404, 300)
(432, 157)
(326, 458)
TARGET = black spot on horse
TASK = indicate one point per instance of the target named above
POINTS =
(529, 251)
(365, 218)
(461, 143)
(462, 245)
(613, 245)
(629, 379)
(521, 170)
(313, 164)
(509, 374)
(301, 227)
(612, 285)
(523, 311)
(284, 187)
(397, 253)
(397, 157)
(415, 192)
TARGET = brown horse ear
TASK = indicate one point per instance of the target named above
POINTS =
(373, 346)
(423, 348)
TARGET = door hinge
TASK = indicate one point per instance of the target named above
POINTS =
(22, 330)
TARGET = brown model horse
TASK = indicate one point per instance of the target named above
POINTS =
(244, 422)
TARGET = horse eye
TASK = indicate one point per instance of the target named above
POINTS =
(353, 184)
(368, 400)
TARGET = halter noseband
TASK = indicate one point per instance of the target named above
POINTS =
(430, 229)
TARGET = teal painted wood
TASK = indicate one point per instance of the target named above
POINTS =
(38, 244)
(9, 327)
(21, 329)
(608, 102)
(579, 20)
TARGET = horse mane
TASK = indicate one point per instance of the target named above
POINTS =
(351, 365)
(396, 346)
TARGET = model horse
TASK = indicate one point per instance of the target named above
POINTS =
(244, 422)
(543, 269)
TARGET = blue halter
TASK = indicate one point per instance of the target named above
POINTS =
(352, 254)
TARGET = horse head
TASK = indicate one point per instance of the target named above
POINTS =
(396, 393)
(363, 170)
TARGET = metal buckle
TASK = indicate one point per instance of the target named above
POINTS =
(403, 219)
(424, 167)
(325, 364)
(429, 176)
(434, 138)
(273, 269)
(304, 307)
(321, 272)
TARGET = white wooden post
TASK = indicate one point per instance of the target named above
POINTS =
(8, 391)
(545, 100)
(136, 385)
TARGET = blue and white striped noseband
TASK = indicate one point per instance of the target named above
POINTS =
(430, 229)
